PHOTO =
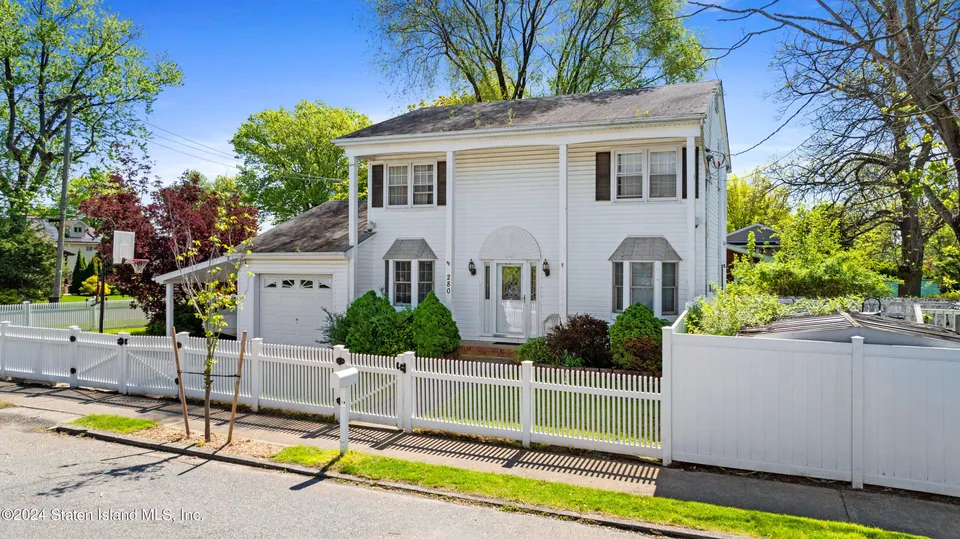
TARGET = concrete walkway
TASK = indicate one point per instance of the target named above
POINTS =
(882, 510)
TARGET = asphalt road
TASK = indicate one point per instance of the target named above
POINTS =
(54, 481)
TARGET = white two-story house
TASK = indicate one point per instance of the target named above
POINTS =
(516, 213)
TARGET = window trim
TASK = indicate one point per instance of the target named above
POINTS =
(432, 281)
(409, 164)
(393, 284)
(645, 151)
(675, 287)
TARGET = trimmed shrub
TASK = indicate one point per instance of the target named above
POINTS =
(636, 322)
(435, 334)
(646, 355)
(336, 329)
(535, 350)
(583, 336)
(79, 274)
(367, 319)
(393, 333)
(89, 287)
(184, 319)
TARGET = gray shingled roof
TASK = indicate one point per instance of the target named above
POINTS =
(410, 249)
(841, 321)
(322, 229)
(640, 103)
(645, 248)
(762, 234)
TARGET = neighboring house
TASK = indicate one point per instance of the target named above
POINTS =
(78, 238)
(516, 213)
(765, 238)
(841, 327)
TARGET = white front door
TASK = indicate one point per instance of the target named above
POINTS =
(511, 301)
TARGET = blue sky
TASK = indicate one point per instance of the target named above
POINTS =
(242, 56)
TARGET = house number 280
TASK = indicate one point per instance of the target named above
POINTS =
(449, 288)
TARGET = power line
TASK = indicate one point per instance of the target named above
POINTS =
(287, 175)
(185, 138)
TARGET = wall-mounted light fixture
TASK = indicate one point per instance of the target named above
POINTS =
(546, 267)
(472, 267)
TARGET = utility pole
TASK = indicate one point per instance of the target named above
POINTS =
(65, 180)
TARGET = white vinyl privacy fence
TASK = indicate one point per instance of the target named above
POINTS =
(83, 314)
(615, 412)
(875, 414)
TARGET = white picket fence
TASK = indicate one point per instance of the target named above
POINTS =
(83, 314)
(875, 414)
(615, 412)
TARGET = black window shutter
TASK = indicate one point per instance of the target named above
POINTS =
(696, 173)
(683, 173)
(376, 190)
(386, 277)
(603, 175)
(442, 183)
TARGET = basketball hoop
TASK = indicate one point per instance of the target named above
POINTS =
(139, 264)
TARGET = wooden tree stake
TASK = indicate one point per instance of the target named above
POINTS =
(236, 387)
(183, 398)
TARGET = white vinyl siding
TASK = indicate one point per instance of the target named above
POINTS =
(596, 228)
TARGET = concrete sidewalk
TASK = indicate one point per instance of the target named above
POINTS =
(882, 510)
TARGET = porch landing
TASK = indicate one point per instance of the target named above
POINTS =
(487, 350)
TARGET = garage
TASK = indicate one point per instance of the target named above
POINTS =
(291, 308)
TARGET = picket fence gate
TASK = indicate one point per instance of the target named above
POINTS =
(117, 314)
(584, 408)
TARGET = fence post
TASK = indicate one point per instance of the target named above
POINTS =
(341, 358)
(256, 349)
(410, 360)
(666, 399)
(74, 353)
(401, 390)
(183, 340)
(122, 340)
(27, 314)
(93, 315)
(4, 331)
(856, 407)
(526, 402)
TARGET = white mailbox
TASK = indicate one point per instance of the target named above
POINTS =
(344, 378)
(341, 382)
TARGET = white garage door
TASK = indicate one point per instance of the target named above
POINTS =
(291, 307)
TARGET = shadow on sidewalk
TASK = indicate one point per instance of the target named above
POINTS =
(830, 501)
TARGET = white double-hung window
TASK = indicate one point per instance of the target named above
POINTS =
(411, 185)
(648, 174)
(409, 267)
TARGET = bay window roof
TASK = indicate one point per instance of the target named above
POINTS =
(410, 249)
(646, 249)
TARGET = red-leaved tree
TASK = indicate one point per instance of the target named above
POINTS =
(185, 209)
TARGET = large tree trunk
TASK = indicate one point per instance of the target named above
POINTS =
(911, 253)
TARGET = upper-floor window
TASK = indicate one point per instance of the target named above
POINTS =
(411, 185)
(647, 174)
(397, 185)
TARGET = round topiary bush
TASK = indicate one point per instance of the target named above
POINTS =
(435, 334)
(583, 336)
(634, 331)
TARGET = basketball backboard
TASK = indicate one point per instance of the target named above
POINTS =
(123, 246)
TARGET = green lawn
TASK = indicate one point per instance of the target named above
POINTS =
(113, 423)
(141, 330)
(590, 500)
(307, 455)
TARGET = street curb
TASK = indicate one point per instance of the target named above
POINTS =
(607, 522)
